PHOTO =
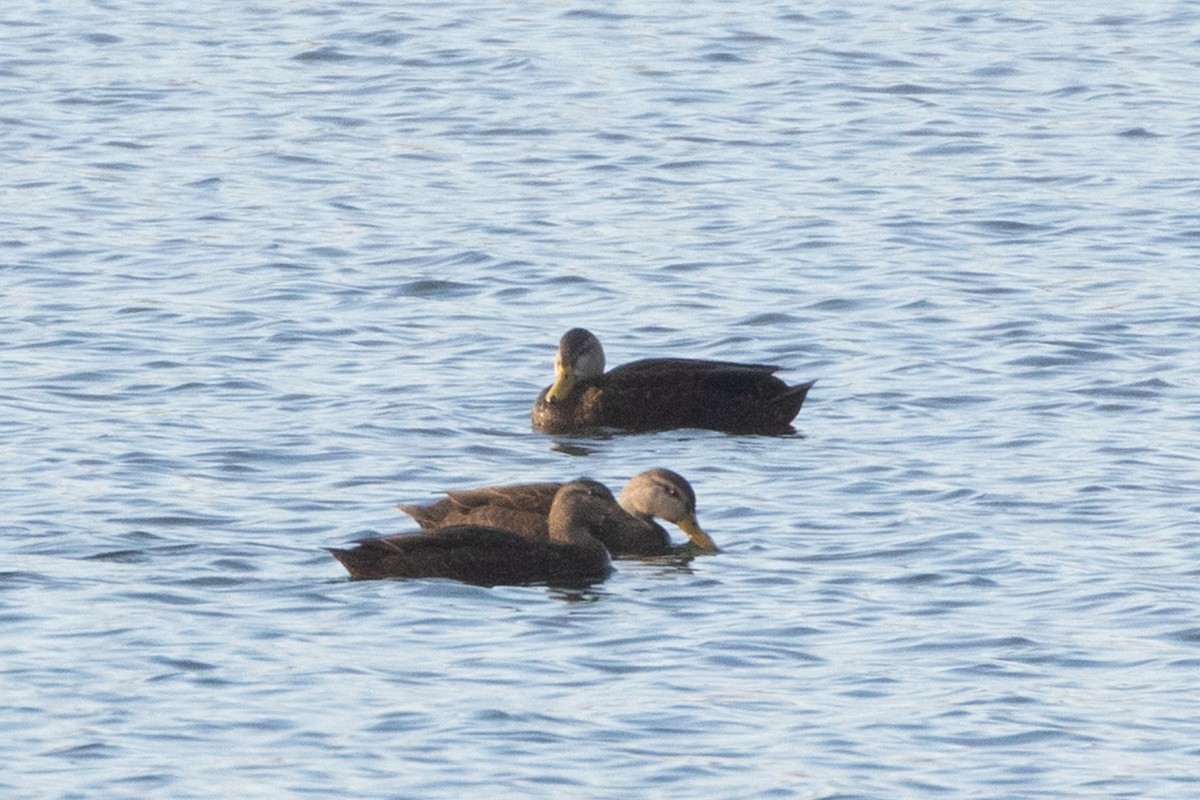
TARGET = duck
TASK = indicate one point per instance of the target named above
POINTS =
(629, 530)
(486, 555)
(662, 394)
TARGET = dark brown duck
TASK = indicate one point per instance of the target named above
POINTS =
(627, 530)
(662, 393)
(491, 556)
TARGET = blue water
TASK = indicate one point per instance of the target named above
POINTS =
(269, 270)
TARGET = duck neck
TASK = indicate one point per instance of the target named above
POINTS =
(570, 529)
(643, 518)
(577, 535)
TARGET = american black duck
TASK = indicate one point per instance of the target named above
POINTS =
(627, 530)
(662, 393)
(491, 556)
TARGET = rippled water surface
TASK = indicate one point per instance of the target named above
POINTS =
(269, 269)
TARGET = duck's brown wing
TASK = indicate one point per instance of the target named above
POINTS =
(521, 496)
(517, 507)
(660, 366)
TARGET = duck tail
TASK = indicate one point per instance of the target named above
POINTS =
(413, 511)
(352, 560)
(797, 393)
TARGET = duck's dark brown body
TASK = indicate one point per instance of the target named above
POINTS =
(524, 507)
(627, 529)
(664, 393)
(490, 556)
(476, 554)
